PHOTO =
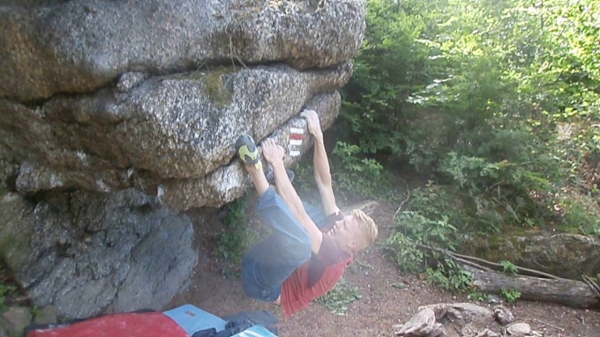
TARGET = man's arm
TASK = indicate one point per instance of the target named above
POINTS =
(321, 163)
(286, 191)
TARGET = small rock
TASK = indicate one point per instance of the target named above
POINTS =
(467, 312)
(469, 329)
(17, 319)
(400, 285)
(449, 330)
(518, 329)
(503, 315)
(3, 324)
(421, 324)
(48, 315)
(488, 333)
(438, 331)
(494, 299)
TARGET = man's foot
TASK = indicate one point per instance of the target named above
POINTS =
(271, 175)
(246, 150)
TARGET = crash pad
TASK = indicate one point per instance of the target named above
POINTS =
(193, 319)
(151, 324)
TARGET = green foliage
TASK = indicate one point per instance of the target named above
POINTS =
(428, 221)
(510, 295)
(499, 193)
(579, 212)
(405, 252)
(509, 268)
(338, 299)
(425, 229)
(498, 101)
(304, 183)
(478, 296)
(430, 217)
(36, 312)
(5, 291)
(451, 278)
(237, 236)
(363, 177)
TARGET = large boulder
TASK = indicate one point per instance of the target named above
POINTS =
(116, 115)
(88, 252)
(81, 46)
(564, 255)
(159, 130)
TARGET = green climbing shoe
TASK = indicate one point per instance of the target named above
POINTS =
(246, 150)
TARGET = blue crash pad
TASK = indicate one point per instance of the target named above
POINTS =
(193, 319)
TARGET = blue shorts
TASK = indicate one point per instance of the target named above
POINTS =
(273, 260)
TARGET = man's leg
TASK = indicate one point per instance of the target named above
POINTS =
(261, 185)
(274, 259)
(316, 214)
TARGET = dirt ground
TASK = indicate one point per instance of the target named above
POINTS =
(382, 305)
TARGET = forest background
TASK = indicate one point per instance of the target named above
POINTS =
(494, 105)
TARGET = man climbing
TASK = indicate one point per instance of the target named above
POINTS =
(309, 249)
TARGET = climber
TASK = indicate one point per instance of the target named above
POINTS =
(309, 249)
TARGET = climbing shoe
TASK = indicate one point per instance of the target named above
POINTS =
(270, 174)
(246, 150)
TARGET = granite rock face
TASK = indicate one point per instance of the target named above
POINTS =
(82, 46)
(160, 130)
(88, 253)
(117, 115)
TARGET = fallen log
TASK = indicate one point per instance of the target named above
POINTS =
(571, 293)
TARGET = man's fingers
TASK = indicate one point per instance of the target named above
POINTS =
(268, 142)
(306, 113)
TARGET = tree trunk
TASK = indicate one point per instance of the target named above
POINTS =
(571, 293)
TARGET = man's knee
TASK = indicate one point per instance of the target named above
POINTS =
(267, 200)
(248, 278)
(257, 291)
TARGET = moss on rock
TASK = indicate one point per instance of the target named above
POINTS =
(218, 90)
(14, 230)
(562, 254)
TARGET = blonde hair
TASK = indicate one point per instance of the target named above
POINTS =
(368, 227)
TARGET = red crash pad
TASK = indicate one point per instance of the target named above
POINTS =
(153, 324)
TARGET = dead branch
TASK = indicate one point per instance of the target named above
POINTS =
(592, 284)
(548, 324)
(496, 266)
(404, 201)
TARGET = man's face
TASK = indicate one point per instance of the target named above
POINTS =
(346, 233)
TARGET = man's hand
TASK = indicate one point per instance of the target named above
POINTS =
(314, 126)
(271, 151)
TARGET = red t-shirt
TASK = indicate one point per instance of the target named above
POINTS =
(317, 276)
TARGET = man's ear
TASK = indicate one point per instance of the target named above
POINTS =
(353, 245)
